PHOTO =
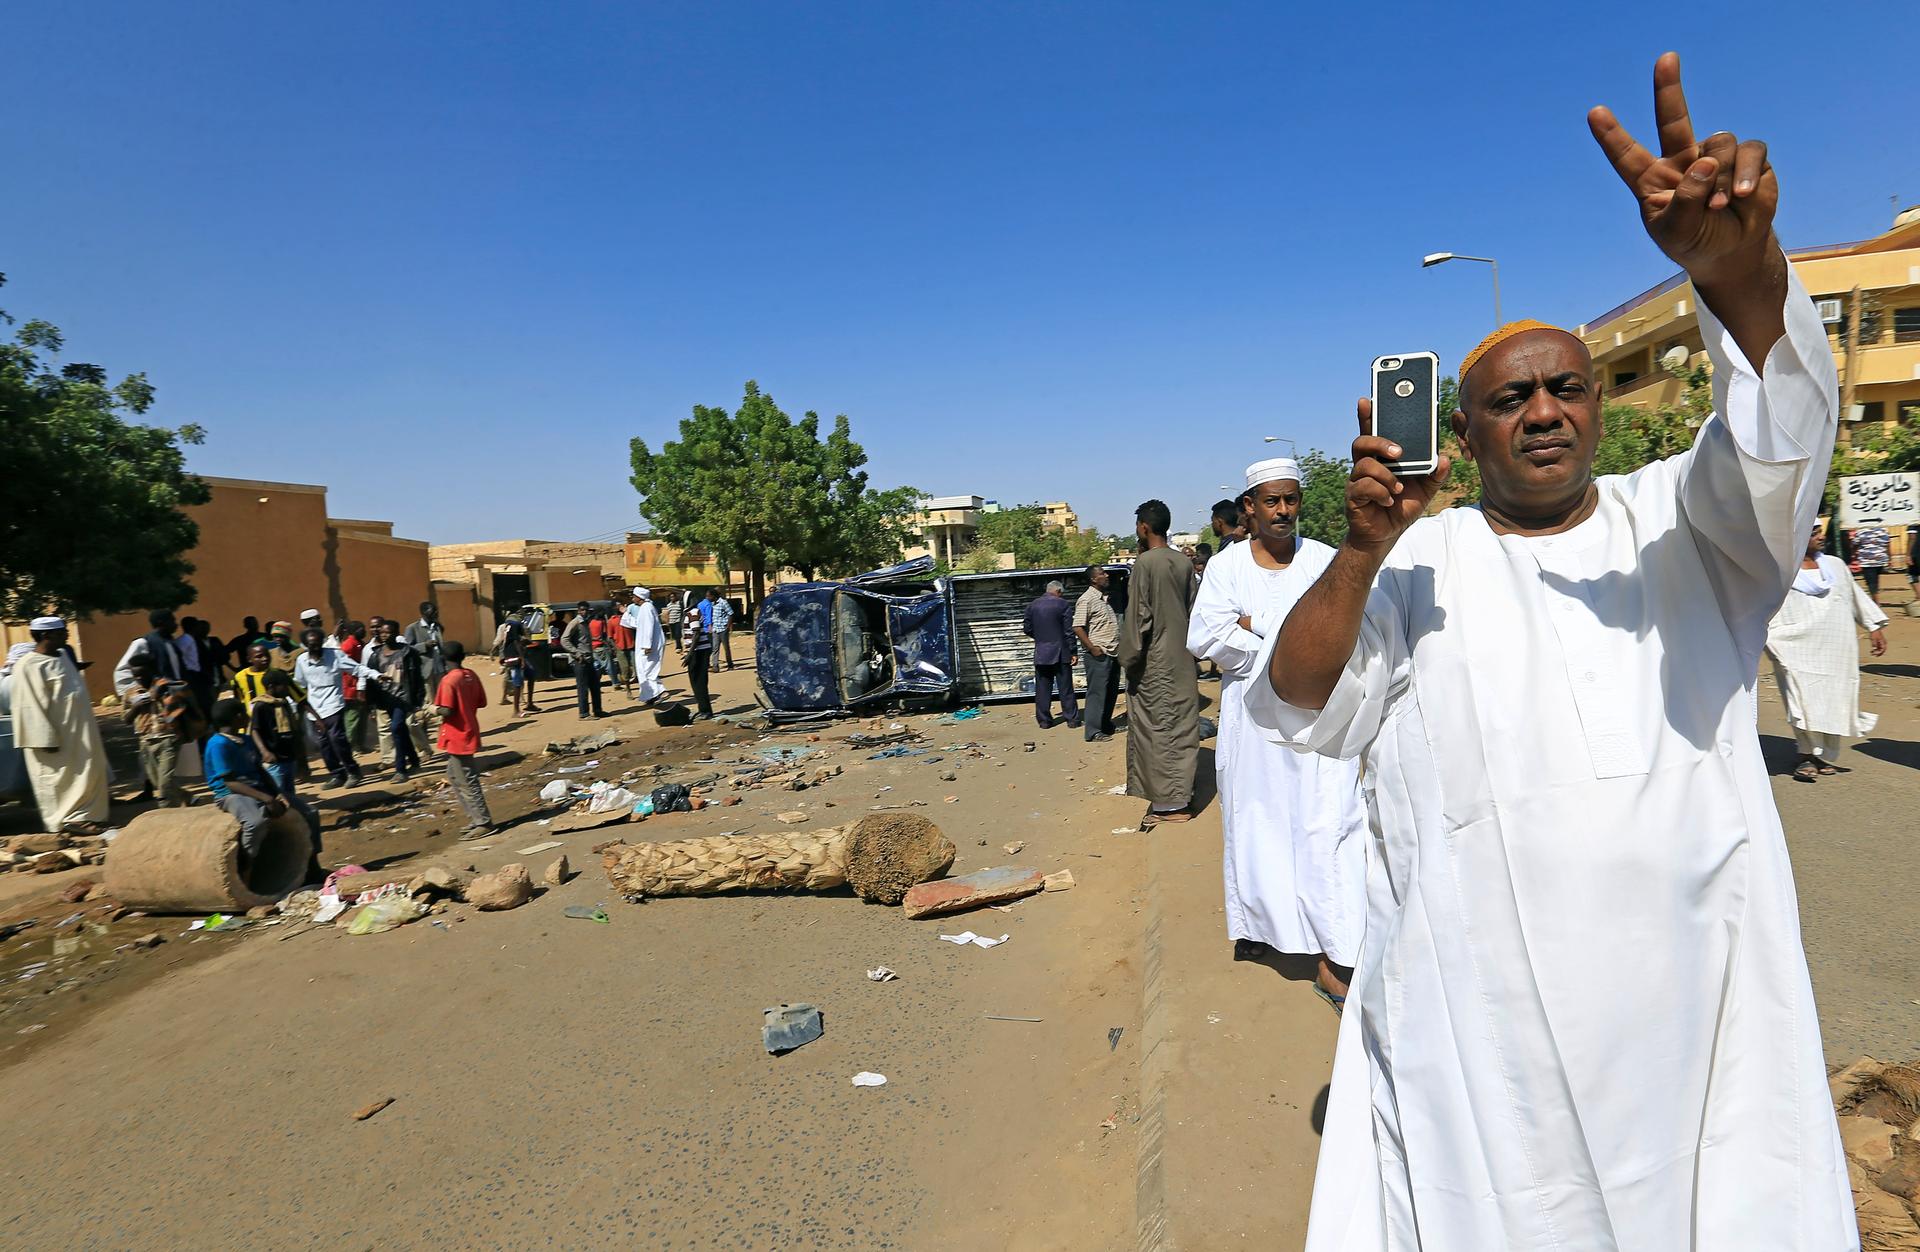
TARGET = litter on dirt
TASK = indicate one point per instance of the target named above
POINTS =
(538, 847)
(882, 974)
(371, 1109)
(789, 1026)
(996, 1017)
(589, 913)
(867, 1079)
(966, 937)
(1113, 1036)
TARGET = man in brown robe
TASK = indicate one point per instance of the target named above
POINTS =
(1163, 694)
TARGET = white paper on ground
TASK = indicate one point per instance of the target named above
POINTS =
(538, 847)
(979, 941)
(331, 906)
(883, 974)
(866, 1079)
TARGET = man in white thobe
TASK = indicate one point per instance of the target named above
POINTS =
(58, 735)
(1581, 1018)
(649, 643)
(1816, 658)
(1293, 826)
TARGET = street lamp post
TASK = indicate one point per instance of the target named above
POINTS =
(1440, 258)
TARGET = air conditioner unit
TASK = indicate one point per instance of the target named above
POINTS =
(1829, 310)
(1856, 412)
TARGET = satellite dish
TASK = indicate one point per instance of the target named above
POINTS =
(1675, 358)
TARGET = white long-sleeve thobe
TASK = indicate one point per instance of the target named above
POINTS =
(1816, 654)
(1584, 1020)
(59, 740)
(649, 646)
(1294, 846)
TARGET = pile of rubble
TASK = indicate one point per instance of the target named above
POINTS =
(50, 853)
(1879, 1108)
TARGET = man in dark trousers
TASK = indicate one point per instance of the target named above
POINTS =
(1050, 624)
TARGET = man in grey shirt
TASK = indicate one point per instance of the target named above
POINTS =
(1098, 630)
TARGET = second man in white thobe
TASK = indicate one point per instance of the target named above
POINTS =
(1293, 824)
(649, 643)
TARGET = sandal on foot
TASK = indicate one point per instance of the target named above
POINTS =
(1826, 769)
(1806, 771)
(1339, 1003)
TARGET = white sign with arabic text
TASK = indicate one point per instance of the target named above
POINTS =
(1879, 500)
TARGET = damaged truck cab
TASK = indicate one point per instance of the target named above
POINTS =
(902, 637)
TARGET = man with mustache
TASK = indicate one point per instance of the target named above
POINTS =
(1582, 1011)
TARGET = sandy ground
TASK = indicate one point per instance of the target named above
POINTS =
(558, 1081)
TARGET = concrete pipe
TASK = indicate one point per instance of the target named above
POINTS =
(187, 861)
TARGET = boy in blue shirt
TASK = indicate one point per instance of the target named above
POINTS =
(243, 788)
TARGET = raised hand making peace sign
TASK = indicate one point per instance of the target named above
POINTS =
(1708, 205)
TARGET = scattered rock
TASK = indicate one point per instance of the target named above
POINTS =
(792, 817)
(371, 1109)
(730, 801)
(99, 892)
(149, 941)
(260, 912)
(508, 887)
(33, 845)
(437, 880)
(557, 873)
(1869, 1141)
(987, 886)
(1060, 880)
(947, 775)
(1013, 849)
(54, 862)
(76, 892)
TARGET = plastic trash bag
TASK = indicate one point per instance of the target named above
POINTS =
(672, 798)
(385, 914)
(610, 799)
(554, 792)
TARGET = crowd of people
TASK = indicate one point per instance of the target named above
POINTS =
(253, 715)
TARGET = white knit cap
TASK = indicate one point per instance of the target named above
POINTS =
(1275, 470)
(47, 623)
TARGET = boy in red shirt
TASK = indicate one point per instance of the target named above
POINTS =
(460, 698)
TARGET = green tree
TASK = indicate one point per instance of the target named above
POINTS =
(93, 522)
(764, 491)
(1034, 546)
(1323, 496)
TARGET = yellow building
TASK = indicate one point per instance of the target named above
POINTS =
(1059, 515)
(1869, 296)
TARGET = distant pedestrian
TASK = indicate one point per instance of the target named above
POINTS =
(400, 694)
(516, 667)
(362, 727)
(620, 639)
(427, 637)
(58, 735)
(719, 618)
(671, 617)
(319, 669)
(1228, 527)
(577, 639)
(460, 697)
(1098, 628)
(157, 646)
(1870, 553)
(699, 657)
(1163, 693)
(649, 644)
(164, 714)
(274, 722)
(1049, 623)
(1816, 659)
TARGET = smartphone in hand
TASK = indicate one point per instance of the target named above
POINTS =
(1406, 409)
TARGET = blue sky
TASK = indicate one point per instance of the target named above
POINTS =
(447, 259)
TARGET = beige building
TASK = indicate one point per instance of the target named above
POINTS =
(1868, 294)
(269, 550)
(1059, 515)
(945, 527)
(473, 583)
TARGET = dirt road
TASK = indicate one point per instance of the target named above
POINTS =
(559, 1082)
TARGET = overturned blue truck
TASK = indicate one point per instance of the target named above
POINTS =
(903, 637)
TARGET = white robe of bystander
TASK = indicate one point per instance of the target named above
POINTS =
(1293, 823)
(649, 643)
(1816, 657)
